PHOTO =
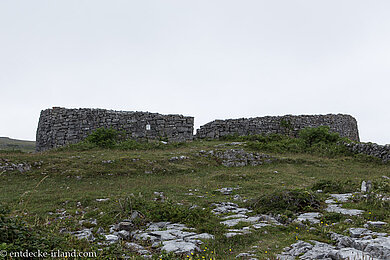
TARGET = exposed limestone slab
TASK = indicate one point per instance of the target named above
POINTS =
(84, 234)
(310, 216)
(337, 209)
(229, 207)
(260, 225)
(179, 246)
(341, 197)
(235, 216)
(111, 238)
(376, 223)
(234, 222)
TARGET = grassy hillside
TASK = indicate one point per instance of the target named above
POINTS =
(13, 144)
(62, 187)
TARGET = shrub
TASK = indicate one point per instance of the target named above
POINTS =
(317, 141)
(333, 186)
(382, 186)
(316, 135)
(103, 137)
(287, 201)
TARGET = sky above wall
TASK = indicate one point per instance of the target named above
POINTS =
(211, 59)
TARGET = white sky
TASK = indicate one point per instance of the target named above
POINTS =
(211, 59)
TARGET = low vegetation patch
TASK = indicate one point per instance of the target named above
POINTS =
(287, 202)
(316, 140)
(110, 138)
(16, 235)
(168, 210)
(330, 186)
(89, 185)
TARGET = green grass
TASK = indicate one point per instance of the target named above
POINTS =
(73, 178)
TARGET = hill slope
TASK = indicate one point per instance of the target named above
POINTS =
(230, 195)
(7, 143)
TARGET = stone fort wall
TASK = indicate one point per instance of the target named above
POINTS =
(345, 125)
(379, 151)
(61, 126)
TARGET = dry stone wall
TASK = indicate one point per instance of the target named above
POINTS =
(61, 126)
(379, 151)
(345, 125)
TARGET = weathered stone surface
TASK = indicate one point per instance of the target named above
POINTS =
(234, 222)
(133, 246)
(111, 238)
(239, 158)
(351, 253)
(260, 225)
(246, 255)
(345, 125)
(9, 166)
(173, 237)
(361, 244)
(226, 191)
(125, 225)
(376, 223)
(341, 197)
(299, 248)
(84, 234)
(199, 236)
(366, 186)
(124, 234)
(358, 232)
(310, 216)
(61, 126)
(229, 207)
(379, 151)
(337, 209)
(179, 246)
(378, 247)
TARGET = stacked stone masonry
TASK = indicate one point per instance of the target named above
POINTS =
(61, 126)
(345, 125)
(379, 151)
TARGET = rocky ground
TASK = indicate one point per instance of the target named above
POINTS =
(81, 197)
(359, 243)
(177, 238)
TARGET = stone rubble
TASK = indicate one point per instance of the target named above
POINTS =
(21, 167)
(178, 158)
(239, 216)
(319, 250)
(239, 158)
(334, 206)
(84, 234)
(176, 238)
(227, 191)
(228, 207)
(361, 243)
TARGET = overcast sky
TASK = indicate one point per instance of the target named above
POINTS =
(211, 59)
